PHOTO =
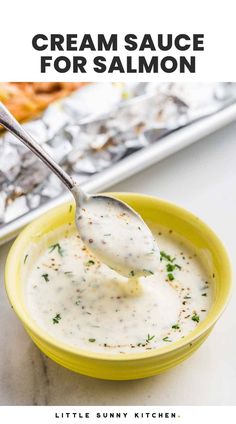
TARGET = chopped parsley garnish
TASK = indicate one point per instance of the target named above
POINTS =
(45, 276)
(56, 246)
(90, 262)
(92, 340)
(70, 208)
(195, 317)
(187, 297)
(166, 339)
(170, 267)
(131, 274)
(25, 259)
(149, 338)
(68, 272)
(164, 255)
(175, 326)
(56, 319)
(204, 294)
(148, 271)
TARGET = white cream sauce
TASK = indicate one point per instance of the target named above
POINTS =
(116, 235)
(85, 304)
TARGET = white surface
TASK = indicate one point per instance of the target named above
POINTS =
(201, 178)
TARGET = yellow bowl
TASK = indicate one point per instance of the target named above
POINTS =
(129, 366)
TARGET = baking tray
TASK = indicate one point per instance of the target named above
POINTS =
(132, 164)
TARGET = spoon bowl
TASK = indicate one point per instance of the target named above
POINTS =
(117, 235)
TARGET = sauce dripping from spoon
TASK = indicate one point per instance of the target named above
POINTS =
(116, 235)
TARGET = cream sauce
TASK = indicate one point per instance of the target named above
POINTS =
(116, 235)
(85, 304)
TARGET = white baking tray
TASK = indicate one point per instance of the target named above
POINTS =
(132, 164)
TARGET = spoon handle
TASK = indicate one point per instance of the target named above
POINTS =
(11, 124)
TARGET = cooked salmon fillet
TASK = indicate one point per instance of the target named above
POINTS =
(26, 100)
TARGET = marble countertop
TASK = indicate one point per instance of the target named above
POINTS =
(201, 178)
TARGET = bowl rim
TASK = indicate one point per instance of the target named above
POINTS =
(14, 256)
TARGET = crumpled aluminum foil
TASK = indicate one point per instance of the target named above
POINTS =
(95, 127)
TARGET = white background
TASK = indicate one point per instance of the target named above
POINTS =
(183, 415)
(21, 20)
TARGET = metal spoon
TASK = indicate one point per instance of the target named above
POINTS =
(111, 229)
